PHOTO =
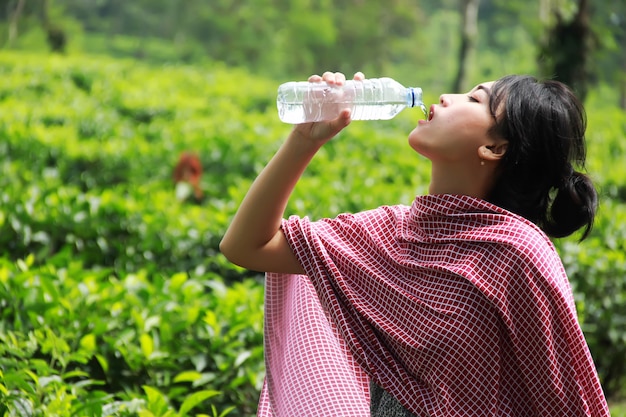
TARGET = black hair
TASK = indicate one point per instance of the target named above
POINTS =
(541, 174)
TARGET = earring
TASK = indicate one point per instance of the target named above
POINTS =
(482, 162)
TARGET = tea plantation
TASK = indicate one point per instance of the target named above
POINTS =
(114, 298)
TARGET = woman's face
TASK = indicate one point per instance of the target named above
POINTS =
(456, 127)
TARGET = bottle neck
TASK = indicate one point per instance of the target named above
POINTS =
(414, 97)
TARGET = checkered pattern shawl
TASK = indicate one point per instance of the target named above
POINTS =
(454, 306)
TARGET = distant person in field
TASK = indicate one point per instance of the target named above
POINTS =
(187, 175)
(455, 305)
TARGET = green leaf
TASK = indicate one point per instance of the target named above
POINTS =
(157, 402)
(147, 345)
(187, 376)
(226, 411)
(45, 380)
(23, 266)
(241, 358)
(177, 280)
(104, 364)
(88, 342)
(194, 399)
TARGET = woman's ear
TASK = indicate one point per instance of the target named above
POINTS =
(492, 152)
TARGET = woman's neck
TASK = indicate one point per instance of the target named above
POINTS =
(473, 181)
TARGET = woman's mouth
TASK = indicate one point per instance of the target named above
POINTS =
(429, 116)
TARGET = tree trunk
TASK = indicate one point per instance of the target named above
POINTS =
(566, 51)
(56, 37)
(544, 11)
(14, 19)
(469, 35)
(622, 87)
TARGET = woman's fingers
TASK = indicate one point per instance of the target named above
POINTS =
(337, 78)
(334, 77)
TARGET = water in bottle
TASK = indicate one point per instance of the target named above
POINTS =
(370, 99)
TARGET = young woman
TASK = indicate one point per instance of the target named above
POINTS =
(457, 305)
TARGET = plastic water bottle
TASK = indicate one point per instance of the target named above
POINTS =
(370, 99)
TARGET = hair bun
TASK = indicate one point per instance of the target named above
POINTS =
(575, 205)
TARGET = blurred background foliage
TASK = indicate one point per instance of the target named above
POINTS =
(114, 299)
(428, 43)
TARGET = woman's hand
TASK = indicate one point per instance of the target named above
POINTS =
(321, 132)
(254, 239)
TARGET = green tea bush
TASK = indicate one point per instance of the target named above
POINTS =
(113, 293)
(114, 299)
(597, 266)
(596, 269)
(84, 342)
(87, 159)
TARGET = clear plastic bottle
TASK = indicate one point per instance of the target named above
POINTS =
(370, 99)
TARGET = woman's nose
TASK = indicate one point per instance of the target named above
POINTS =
(444, 100)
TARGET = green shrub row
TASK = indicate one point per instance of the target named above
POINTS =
(81, 342)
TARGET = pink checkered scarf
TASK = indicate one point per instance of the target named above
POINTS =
(453, 306)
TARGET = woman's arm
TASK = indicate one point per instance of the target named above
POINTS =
(254, 239)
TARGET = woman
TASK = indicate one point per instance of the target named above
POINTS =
(455, 306)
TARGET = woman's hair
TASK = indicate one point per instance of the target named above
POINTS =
(540, 174)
